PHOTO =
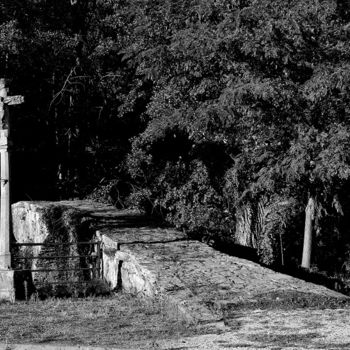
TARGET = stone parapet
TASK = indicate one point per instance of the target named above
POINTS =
(54, 224)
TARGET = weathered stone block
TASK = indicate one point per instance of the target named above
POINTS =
(54, 224)
(61, 222)
(111, 268)
(7, 288)
(136, 279)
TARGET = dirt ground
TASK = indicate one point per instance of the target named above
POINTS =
(126, 322)
(277, 329)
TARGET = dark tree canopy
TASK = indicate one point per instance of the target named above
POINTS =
(195, 110)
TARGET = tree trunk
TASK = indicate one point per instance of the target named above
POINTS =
(244, 232)
(309, 218)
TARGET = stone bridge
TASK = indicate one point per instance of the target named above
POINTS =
(143, 259)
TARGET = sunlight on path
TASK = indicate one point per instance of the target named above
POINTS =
(261, 329)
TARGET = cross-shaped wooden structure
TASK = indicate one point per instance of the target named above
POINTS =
(5, 205)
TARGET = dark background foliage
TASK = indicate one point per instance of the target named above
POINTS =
(220, 116)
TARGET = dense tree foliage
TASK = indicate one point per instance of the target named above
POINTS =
(64, 57)
(225, 117)
(249, 109)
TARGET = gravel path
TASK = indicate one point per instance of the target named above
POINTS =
(276, 329)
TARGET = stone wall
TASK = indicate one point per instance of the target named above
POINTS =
(50, 223)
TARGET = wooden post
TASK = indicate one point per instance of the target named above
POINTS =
(5, 209)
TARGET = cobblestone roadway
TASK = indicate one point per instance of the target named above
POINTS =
(197, 278)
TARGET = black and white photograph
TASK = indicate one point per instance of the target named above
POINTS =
(174, 174)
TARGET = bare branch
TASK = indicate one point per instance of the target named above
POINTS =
(63, 89)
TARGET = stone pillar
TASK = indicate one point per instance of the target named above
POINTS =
(7, 291)
(5, 258)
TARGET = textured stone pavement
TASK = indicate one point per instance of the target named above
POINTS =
(199, 280)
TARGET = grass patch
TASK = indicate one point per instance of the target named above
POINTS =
(114, 321)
